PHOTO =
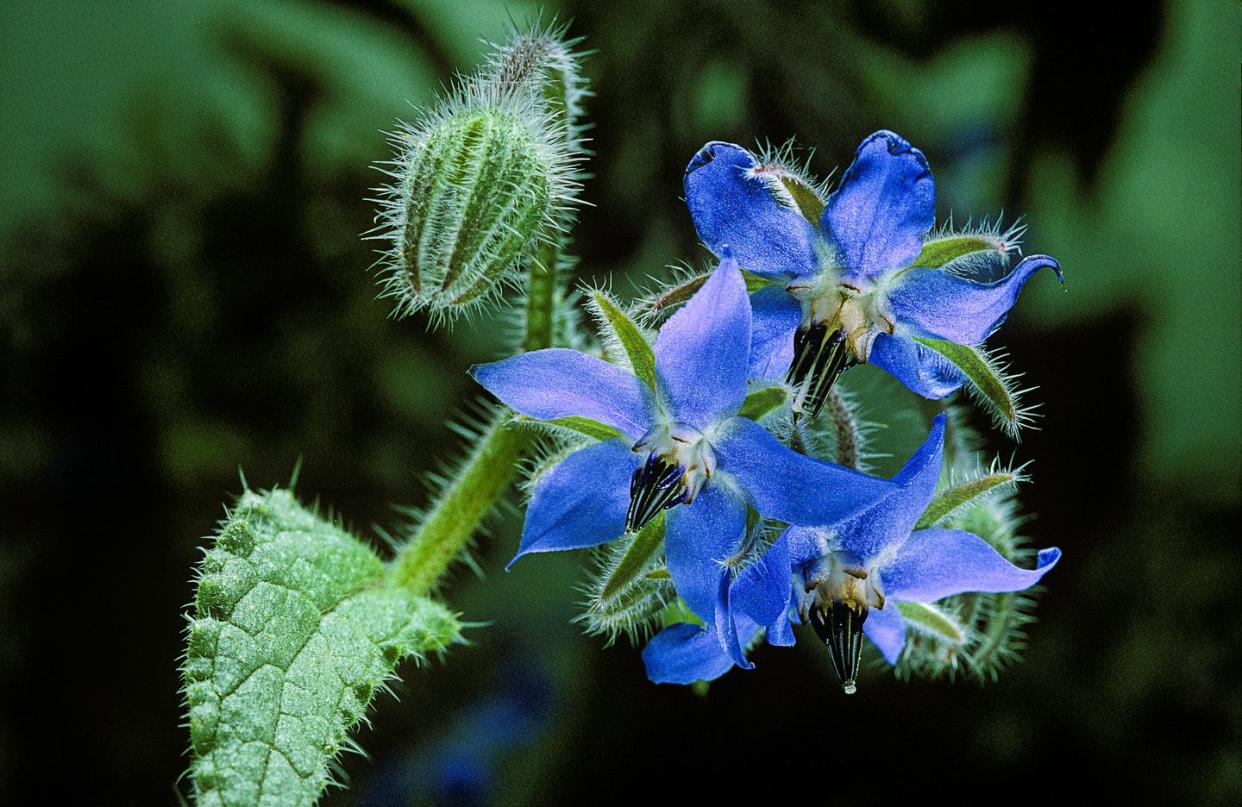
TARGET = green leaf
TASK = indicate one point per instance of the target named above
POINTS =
(953, 499)
(295, 626)
(987, 382)
(931, 620)
(940, 251)
(760, 402)
(636, 559)
(642, 359)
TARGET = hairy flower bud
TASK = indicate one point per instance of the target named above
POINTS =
(482, 180)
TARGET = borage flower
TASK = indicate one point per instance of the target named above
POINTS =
(857, 289)
(681, 446)
(757, 601)
(847, 580)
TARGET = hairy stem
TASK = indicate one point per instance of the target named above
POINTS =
(446, 529)
(541, 297)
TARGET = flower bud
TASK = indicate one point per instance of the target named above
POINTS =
(481, 181)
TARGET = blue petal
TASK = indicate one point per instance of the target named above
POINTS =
(731, 207)
(885, 205)
(775, 315)
(556, 383)
(948, 306)
(701, 352)
(806, 544)
(938, 563)
(729, 625)
(889, 522)
(921, 369)
(788, 486)
(887, 630)
(685, 653)
(699, 537)
(581, 502)
(761, 592)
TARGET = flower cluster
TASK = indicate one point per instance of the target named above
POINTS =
(760, 534)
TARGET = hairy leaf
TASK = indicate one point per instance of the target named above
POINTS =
(295, 626)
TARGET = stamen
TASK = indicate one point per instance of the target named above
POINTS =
(655, 486)
(819, 357)
(839, 626)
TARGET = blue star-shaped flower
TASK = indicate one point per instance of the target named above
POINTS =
(851, 293)
(847, 579)
(683, 446)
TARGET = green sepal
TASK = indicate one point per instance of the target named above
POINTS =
(763, 400)
(953, 499)
(581, 425)
(810, 203)
(684, 290)
(987, 381)
(677, 612)
(296, 625)
(642, 358)
(637, 557)
(929, 619)
(941, 251)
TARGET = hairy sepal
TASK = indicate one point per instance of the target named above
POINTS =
(961, 495)
(623, 337)
(629, 588)
(988, 382)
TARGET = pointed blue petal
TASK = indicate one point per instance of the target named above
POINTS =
(943, 305)
(889, 522)
(698, 538)
(731, 207)
(775, 315)
(556, 383)
(761, 592)
(887, 630)
(885, 205)
(701, 352)
(685, 653)
(937, 563)
(923, 370)
(788, 486)
(581, 502)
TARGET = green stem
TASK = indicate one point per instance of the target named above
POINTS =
(540, 298)
(490, 468)
(483, 479)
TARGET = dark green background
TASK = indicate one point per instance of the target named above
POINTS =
(183, 292)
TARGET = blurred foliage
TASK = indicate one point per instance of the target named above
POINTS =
(185, 293)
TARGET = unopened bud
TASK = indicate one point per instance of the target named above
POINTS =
(479, 183)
